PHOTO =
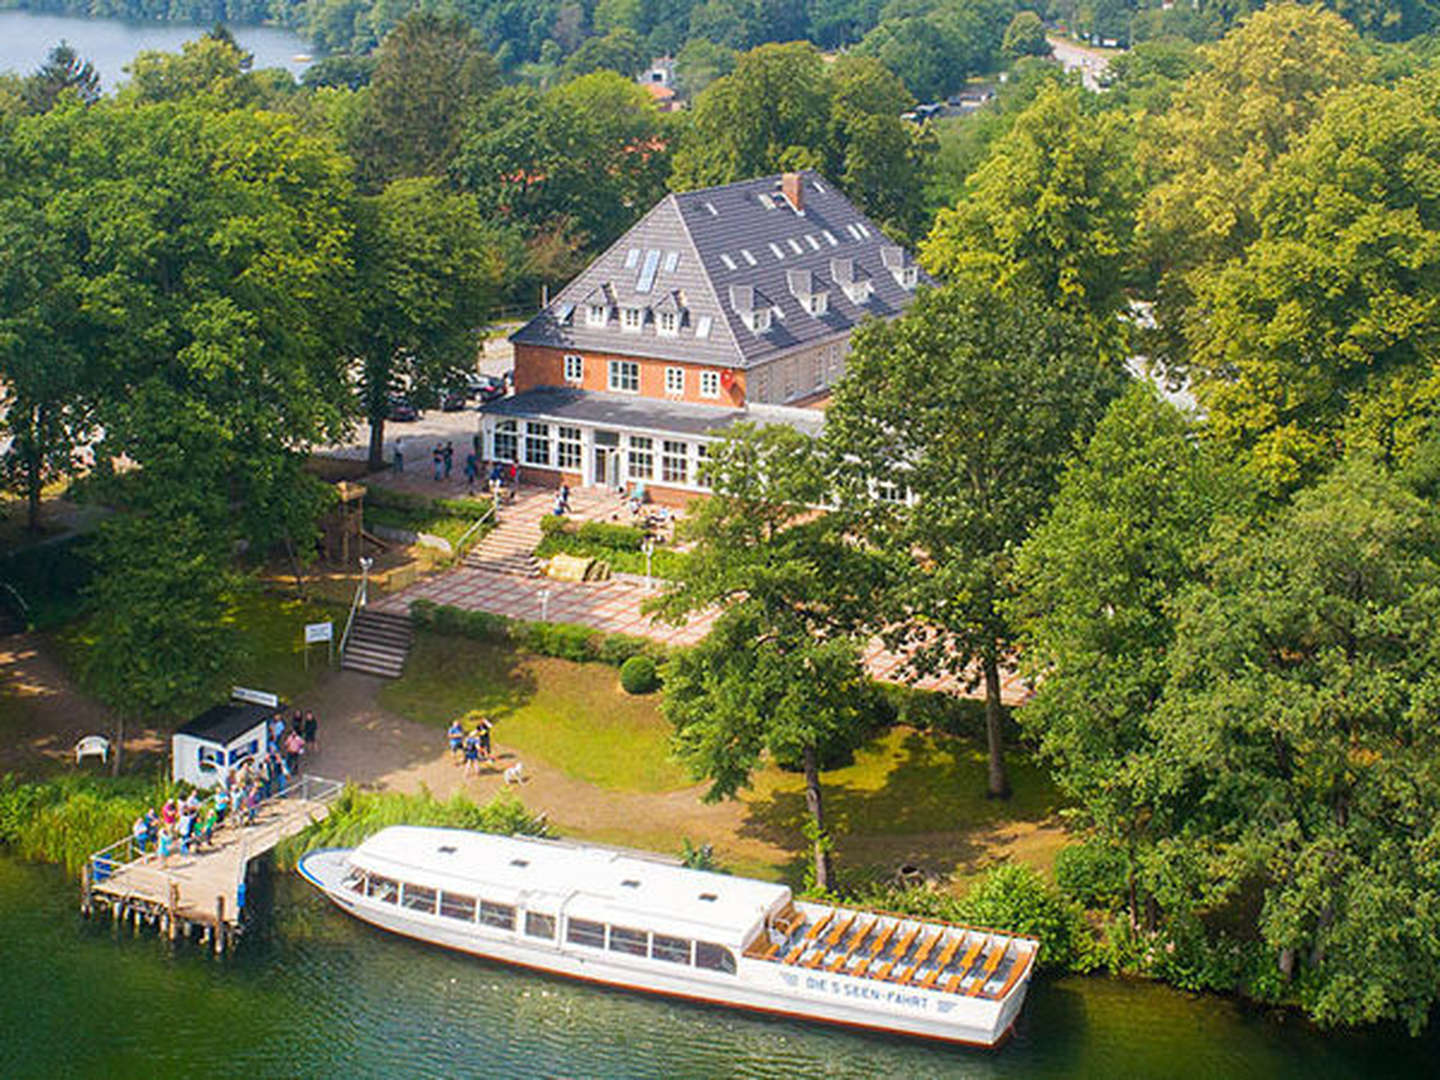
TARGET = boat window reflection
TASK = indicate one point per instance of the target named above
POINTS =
(714, 957)
(456, 906)
(673, 949)
(500, 916)
(418, 898)
(537, 925)
(623, 939)
(384, 889)
(584, 932)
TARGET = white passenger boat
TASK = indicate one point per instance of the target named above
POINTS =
(628, 921)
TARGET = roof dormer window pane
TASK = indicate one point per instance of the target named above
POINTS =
(631, 319)
(668, 323)
(596, 315)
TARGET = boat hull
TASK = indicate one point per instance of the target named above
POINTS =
(760, 987)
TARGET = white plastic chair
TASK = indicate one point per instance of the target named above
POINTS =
(92, 746)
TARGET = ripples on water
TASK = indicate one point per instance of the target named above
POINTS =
(316, 994)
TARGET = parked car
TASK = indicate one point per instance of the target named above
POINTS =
(401, 409)
(453, 399)
(489, 388)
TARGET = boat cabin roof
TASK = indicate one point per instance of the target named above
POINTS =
(590, 882)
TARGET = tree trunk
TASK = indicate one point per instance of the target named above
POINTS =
(119, 747)
(34, 481)
(295, 567)
(999, 783)
(377, 442)
(817, 814)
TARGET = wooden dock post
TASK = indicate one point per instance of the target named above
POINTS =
(171, 923)
(85, 889)
(219, 925)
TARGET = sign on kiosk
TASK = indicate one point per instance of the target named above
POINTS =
(319, 631)
(254, 697)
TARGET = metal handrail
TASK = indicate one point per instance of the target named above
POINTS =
(486, 516)
(24, 607)
(361, 598)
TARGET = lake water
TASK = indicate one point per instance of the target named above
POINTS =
(26, 39)
(314, 993)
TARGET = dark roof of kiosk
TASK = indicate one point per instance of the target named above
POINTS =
(222, 723)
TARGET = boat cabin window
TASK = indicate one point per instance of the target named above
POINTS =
(625, 940)
(355, 881)
(383, 888)
(500, 916)
(714, 957)
(456, 906)
(672, 949)
(537, 925)
(584, 932)
(419, 899)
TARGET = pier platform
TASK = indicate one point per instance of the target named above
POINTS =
(201, 891)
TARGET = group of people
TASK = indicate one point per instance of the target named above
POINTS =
(562, 501)
(471, 748)
(182, 826)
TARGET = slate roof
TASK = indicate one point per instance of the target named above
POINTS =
(570, 405)
(223, 723)
(719, 248)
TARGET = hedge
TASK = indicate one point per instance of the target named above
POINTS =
(566, 641)
(638, 675)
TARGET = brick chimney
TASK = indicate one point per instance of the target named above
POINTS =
(793, 188)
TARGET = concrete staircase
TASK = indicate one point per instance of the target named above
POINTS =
(509, 548)
(379, 643)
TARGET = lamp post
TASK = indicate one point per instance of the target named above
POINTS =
(649, 548)
(544, 605)
(365, 563)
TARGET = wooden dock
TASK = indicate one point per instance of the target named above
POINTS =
(200, 893)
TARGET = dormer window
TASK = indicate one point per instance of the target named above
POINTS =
(596, 315)
(632, 319)
(819, 303)
(908, 277)
(760, 320)
(858, 292)
(668, 323)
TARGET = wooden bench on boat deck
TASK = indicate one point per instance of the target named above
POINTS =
(901, 948)
(876, 949)
(830, 940)
(809, 937)
(946, 955)
(975, 950)
(860, 936)
(926, 947)
(989, 969)
(780, 929)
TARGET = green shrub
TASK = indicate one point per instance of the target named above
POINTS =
(465, 508)
(638, 675)
(563, 640)
(616, 537)
(1093, 874)
(615, 649)
(1014, 897)
(552, 524)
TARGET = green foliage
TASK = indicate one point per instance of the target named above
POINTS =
(1025, 36)
(1049, 212)
(357, 814)
(698, 856)
(64, 821)
(638, 675)
(564, 640)
(964, 390)
(1094, 874)
(64, 73)
(51, 578)
(1015, 898)
(615, 537)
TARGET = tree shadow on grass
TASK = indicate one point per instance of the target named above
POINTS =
(911, 797)
(447, 677)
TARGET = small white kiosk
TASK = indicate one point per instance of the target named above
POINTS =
(222, 737)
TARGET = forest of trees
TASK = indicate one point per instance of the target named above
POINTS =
(1227, 613)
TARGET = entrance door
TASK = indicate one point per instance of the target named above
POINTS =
(602, 466)
(607, 458)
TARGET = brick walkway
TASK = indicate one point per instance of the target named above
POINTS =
(614, 606)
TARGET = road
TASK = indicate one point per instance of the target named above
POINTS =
(1091, 62)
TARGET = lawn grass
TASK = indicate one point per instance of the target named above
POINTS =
(573, 716)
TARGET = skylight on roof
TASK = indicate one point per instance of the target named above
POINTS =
(709, 897)
(647, 272)
(729, 262)
(810, 239)
(632, 258)
(672, 260)
(863, 230)
(795, 246)
(522, 863)
(775, 250)
(766, 201)
(711, 207)
(448, 849)
(745, 254)
(854, 232)
(702, 327)
(819, 187)
(829, 237)
(630, 883)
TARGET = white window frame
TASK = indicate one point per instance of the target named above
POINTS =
(596, 315)
(640, 457)
(667, 323)
(623, 376)
(710, 384)
(675, 380)
(818, 304)
(908, 277)
(632, 319)
(569, 448)
(674, 462)
(537, 444)
(574, 368)
(507, 441)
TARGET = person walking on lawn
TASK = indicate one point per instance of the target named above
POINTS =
(449, 455)
(437, 458)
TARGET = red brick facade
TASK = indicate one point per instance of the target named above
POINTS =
(538, 365)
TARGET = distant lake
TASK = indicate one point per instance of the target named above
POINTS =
(26, 38)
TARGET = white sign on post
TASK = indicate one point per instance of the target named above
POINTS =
(254, 697)
(319, 631)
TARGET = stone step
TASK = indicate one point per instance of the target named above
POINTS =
(367, 666)
(396, 636)
(375, 617)
(377, 660)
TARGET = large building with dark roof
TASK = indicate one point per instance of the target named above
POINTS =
(720, 305)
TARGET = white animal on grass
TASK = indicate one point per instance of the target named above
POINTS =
(515, 774)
